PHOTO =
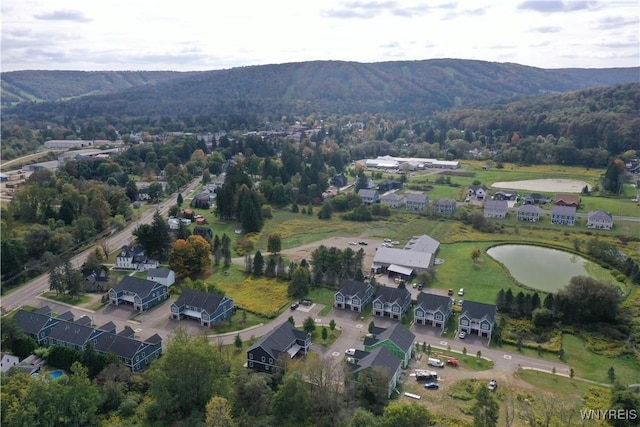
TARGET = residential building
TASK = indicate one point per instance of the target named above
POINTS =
(529, 213)
(369, 197)
(205, 232)
(417, 256)
(280, 341)
(535, 199)
(416, 201)
(478, 191)
(205, 307)
(133, 258)
(392, 200)
(391, 302)
(505, 195)
(339, 181)
(495, 208)
(433, 310)
(600, 219)
(173, 223)
(568, 200)
(141, 293)
(353, 295)
(95, 279)
(201, 201)
(389, 185)
(164, 276)
(400, 340)
(7, 361)
(63, 330)
(445, 206)
(380, 361)
(563, 215)
(477, 318)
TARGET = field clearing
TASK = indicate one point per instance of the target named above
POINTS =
(553, 185)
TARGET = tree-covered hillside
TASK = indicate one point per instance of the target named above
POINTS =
(414, 87)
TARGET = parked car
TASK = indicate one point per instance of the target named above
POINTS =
(387, 240)
(306, 302)
(363, 242)
(493, 385)
(350, 351)
(434, 386)
(430, 376)
(452, 362)
(450, 292)
(461, 292)
(420, 287)
(395, 242)
(462, 335)
(353, 243)
(435, 362)
(294, 306)
(460, 302)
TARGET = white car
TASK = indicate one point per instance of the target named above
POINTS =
(353, 243)
(350, 351)
(461, 292)
(462, 335)
(493, 385)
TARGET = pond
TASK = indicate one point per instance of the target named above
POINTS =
(548, 270)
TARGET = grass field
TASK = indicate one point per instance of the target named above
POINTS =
(67, 299)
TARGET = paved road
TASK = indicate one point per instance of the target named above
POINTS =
(26, 294)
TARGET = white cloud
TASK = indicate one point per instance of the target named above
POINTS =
(195, 35)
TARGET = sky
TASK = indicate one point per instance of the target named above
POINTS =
(198, 35)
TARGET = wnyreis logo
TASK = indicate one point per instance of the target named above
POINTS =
(609, 414)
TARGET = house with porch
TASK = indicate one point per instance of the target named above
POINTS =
(141, 293)
(72, 334)
(369, 197)
(568, 200)
(284, 340)
(392, 200)
(135, 354)
(563, 215)
(535, 199)
(164, 276)
(477, 318)
(391, 302)
(416, 201)
(201, 201)
(36, 324)
(353, 295)
(478, 191)
(600, 219)
(495, 208)
(433, 310)
(205, 232)
(95, 279)
(505, 195)
(530, 213)
(133, 258)
(205, 307)
(445, 206)
(400, 340)
(380, 361)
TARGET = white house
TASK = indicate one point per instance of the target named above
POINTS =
(133, 258)
(8, 361)
(174, 223)
(164, 276)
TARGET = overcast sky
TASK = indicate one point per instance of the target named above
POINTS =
(186, 35)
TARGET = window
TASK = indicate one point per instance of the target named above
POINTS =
(250, 355)
(263, 358)
(266, 368)
(251, 364)
(438, 317)
(464, 322)
(270, 361)
(419, 313)
(338, 297)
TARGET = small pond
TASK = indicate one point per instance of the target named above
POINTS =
(545, 269)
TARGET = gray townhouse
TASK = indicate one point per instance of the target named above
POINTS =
(353, 295)
(205, 307)
(141, 293)
(433, 310)
(391, 302)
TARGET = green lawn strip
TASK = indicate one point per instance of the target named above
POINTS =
(322, 295)
(595, 367)
(561, 386)
(236, 322)
(332, 336)
(67, 299)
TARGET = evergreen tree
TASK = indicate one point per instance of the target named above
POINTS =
(486, 409)
(270, 271)
(501, 303)
(179, 200)
(217, 249)
(226, 249)
(548, 302)
(258, 264)
(508, 301)
(299, 284)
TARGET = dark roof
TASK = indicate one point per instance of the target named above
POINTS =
(205, 300)
(389, 295)
(126, 332)
(130, 251)
(31, 322)
(46, 310)
(563, 210)
(96, 273)
(433, 302)
(70, 332)
(142, 287)
(67, 315)
(353, 287)
(279, 339)
(158, 272)
(122, 346)
(381, 357)
(84, 320)
(108, 327)
(202, 231)
(397, 334)
(479, 310)
(154, 339)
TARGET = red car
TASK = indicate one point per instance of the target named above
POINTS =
(450, 293)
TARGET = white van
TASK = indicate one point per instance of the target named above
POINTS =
(435, 362)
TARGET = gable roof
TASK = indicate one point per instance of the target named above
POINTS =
(159, 272)
(416, 197)
(424, 243)
(367, 193)
(31, 322)
(600, 216)
(141, 287)
(119, 344)
(397, 334)
(354, 288)
(70, 332)
(44, 310)
(205, 300)
(279, 339)
(444, 201)
(391, 295)
(563, 210)
(529, 209)
(412, 259)
(392, 197)
(479, 310)
(569, 199)
(382, 358)
(433, 302)
(202, 231)
(499, 205)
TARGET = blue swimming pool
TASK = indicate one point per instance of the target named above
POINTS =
(56, 374)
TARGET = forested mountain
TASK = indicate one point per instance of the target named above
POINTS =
(32, 85)
(332, 87)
